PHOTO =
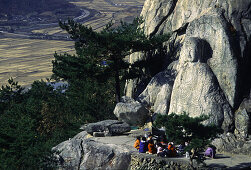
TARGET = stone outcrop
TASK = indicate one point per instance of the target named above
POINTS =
(196, 88)
(155, 13)
(231, 144)
(197, 92)
(243, 119)
(150, 162)
(69, 153)
(162, 16)
(246, 104)
(82, 152)
(131, 111)
(219, 54)
(109, 127)
(104, 156)
(117, 152)
(242, 123)
(212, 43)
(158, 92)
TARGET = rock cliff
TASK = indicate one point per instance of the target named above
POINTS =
(210, 54)
(86, 152)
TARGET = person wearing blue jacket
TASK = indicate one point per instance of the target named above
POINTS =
(143, 146)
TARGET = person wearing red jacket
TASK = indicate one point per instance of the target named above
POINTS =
(172, 150)
(151, 148)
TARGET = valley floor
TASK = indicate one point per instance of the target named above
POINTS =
(26, 52)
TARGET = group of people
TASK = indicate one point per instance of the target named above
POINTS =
(163, 148)
(160, 146)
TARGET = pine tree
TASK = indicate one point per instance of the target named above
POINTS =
(102, 54)
(182, 128)
(32, 122)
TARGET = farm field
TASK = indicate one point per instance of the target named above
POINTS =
(27, 60)
(111, 10)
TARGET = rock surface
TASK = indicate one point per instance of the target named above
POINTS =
(214, 33)
(212, 44)
(111, 127)
(98, 155)
(131, 112)
(118, 129)
(158, 92)
(70, 151)
(242, 124)
(219, 55)
(82, 152)
(229, 143)
(170, 15)
(196, 89)
(155, 13)
(246, 104)
(196, 92)
(151, 162)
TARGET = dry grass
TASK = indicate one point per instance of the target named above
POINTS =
(27, 60)
(111, 10)
(49, 31)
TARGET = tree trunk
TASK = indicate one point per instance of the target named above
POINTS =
(194, 151)
(117, 82)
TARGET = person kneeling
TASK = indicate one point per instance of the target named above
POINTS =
(210, 152)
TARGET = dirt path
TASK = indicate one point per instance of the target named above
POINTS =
(230, 161)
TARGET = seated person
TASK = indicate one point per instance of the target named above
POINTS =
(160, 149)
(147, 135)
(210, 152)
(143, 146)
(164, 141)
(171, 149)
(150, 137)
(136, 143)
(151, 147)
(181, 148)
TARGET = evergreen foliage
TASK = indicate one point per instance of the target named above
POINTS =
(32, 122)
(91, 101)
(10, 94)
(35, 120)
(182, 128)
(101, 55)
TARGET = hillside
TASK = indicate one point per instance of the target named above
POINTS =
(17, 7)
